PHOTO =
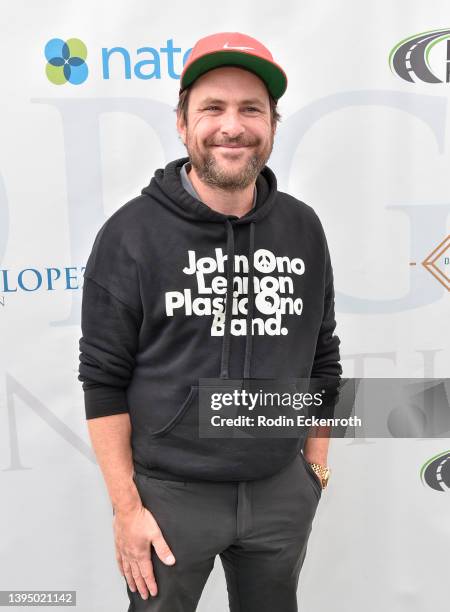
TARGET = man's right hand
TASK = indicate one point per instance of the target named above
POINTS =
(135, 531)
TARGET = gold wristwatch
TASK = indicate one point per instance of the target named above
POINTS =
(322, 472)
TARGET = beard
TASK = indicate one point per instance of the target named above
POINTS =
(213, 174)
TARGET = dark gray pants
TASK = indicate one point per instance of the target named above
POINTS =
(260, 529)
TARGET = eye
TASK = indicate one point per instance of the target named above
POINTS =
(211, 107)
(252, 108)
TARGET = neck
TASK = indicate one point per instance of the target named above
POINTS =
(236, 203)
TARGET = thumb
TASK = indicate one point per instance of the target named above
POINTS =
(162, 550)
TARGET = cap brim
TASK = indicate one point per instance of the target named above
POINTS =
(271, 74)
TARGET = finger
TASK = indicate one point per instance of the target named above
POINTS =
(140, 582)
(129, 575)
(162, 549)
(146, 568)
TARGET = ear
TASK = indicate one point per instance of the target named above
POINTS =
(181, 127)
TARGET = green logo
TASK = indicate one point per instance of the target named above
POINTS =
(66, 61)
(436, 472)
(409, 59)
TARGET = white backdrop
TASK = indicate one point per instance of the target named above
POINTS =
(368, 150)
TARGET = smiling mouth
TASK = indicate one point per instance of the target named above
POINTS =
(231, 146)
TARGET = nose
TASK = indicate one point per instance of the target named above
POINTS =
(231, 124)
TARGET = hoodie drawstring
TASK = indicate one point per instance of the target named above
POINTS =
(225, 363)
(250, 303)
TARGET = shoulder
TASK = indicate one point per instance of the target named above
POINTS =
(115, 245)
(298, 210)
(128, 215)
(121, 228)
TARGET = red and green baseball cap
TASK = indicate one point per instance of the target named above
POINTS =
(234, 49)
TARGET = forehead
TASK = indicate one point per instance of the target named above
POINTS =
(229, 84)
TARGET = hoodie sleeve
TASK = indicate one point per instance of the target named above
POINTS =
(327, 356)
(110, 322)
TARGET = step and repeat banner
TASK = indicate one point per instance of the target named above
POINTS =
(87, 115)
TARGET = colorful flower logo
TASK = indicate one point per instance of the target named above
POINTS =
(66, 61)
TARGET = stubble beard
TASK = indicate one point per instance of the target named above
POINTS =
(211, 173)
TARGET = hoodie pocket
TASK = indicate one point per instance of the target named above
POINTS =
(185, 406)
(177, 448)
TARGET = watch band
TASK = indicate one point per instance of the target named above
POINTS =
(323, 472)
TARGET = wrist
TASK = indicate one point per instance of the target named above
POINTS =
(127, 508)
(127, 502)
(318, 458)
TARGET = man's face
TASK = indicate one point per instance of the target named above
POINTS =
(229, 135)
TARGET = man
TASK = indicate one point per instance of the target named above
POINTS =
(156, 319)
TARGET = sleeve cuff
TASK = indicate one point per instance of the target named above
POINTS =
(104, 401)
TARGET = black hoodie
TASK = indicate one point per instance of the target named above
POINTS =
(155, 320)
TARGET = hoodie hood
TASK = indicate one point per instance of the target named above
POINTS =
(166, 187)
